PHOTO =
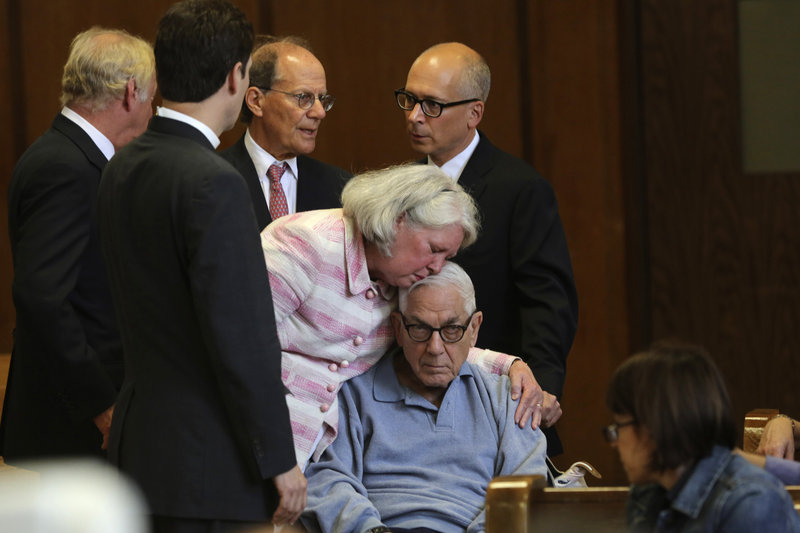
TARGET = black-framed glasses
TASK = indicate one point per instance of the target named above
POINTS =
(431, 108)
(611, 431)
(449, 333)
(306, 100)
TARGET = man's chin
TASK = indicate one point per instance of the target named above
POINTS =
(420, 144)
(437, 381)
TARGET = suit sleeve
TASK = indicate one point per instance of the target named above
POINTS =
(542, 275)
(54, 225)
(234, 307)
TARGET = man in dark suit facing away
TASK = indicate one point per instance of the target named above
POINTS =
(283, 108)
(201, 423)
(520, 264)
(66, 367)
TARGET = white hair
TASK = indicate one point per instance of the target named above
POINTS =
(451, 275)
(428, 197)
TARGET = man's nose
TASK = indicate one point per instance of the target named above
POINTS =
(416, 114)
(435, 343)
(317, 110)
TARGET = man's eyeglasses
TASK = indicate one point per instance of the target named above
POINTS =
(431, 108)
(449, 333)
(611, 431)
(306, 100)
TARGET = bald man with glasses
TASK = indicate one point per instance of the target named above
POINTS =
(283, 108)
(520, 264)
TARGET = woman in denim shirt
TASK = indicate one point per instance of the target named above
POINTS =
(674, 433)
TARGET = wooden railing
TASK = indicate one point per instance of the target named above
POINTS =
(525, 504)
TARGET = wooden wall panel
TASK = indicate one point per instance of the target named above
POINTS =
(724, 259)
(576, 142)
(8, 155)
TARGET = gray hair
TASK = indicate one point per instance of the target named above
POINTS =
(428, 197)
(476, 78)
(101, 62)
(451, 275)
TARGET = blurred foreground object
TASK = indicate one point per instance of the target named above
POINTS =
(70, 497)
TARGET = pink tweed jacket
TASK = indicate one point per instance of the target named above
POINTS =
(333, 321)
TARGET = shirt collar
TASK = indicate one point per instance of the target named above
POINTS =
(182, 117)
(355, 258)
(263, 159)
(455, 166)
(690, 493)
(387, 388)
(100, 140)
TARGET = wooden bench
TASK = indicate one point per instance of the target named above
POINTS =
(754, 422)
(525, 504)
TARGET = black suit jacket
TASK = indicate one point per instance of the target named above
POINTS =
(319, 185)
(520, 267)
(201, 422)
(66, 367)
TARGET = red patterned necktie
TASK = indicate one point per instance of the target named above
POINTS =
(277, 200)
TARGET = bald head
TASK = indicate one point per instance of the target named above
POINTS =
(458, 66)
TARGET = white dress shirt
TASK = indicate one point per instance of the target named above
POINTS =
(100, 140)
(177, 115)
(262, 161)
(455, 166)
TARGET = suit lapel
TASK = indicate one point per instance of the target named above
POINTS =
(306, 190)
(244, 164)
(81, 139)
(479, 164)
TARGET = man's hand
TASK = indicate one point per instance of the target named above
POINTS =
(531, 399)
(777, 439)
(103, 423)
(551, 410)
(291, 486)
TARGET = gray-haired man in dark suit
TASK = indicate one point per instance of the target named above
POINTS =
(66, 368)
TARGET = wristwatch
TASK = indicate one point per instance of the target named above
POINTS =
(379, 529)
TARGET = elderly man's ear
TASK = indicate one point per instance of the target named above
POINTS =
(475, 325)
(253, 100)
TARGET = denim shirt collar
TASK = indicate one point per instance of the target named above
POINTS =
(690, 496)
